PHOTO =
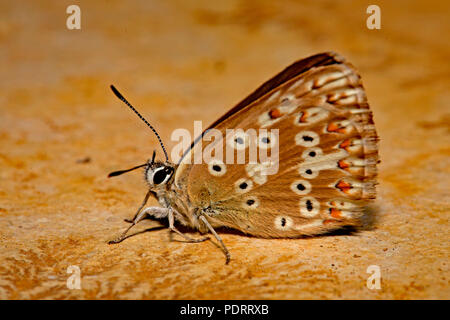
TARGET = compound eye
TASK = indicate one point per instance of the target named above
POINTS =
(161, 175)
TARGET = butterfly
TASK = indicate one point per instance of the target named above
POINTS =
(327, 157)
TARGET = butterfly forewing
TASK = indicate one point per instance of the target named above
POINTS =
(327, 155)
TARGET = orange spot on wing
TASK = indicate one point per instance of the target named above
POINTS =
(303, 117)
(345, 144)
(332, 97)
(333, 127)
(343, 165)
(343, 186)
(274, 113)
(335, 213)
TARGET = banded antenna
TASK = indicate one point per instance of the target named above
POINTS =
(117, 93)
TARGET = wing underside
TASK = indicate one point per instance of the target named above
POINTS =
(315, 127)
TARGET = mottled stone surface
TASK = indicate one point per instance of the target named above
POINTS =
(62, 131)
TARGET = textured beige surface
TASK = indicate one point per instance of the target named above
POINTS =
(62, 131)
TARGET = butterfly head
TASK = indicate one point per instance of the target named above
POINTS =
(158, 174)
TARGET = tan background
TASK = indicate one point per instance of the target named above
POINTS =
(180, 62)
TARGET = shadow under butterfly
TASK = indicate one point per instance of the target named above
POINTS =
(327, 161)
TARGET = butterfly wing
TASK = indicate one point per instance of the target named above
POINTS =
(326, 154)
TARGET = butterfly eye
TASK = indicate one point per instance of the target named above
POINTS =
(161, 175)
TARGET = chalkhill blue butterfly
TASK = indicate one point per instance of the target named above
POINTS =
(314, 119)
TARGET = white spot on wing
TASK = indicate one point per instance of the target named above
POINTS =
(308, 172)
(283, 223)
(311, 167)
(312, 154)
(307, 139)
(309, 207)
(239, 140)
(266, 140)
(258, 171)
(312, 115)
(251, 203)
(301, 187)
(217, 168)
(243, 185)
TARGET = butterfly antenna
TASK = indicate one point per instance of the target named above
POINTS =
(117, 93)
(153, 158)
(118, 173)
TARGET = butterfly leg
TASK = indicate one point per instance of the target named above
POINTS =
(156, 212)
(140, 208)
(225, 250)
(173, 229)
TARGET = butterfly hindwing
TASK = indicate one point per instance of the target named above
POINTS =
(327, 155)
